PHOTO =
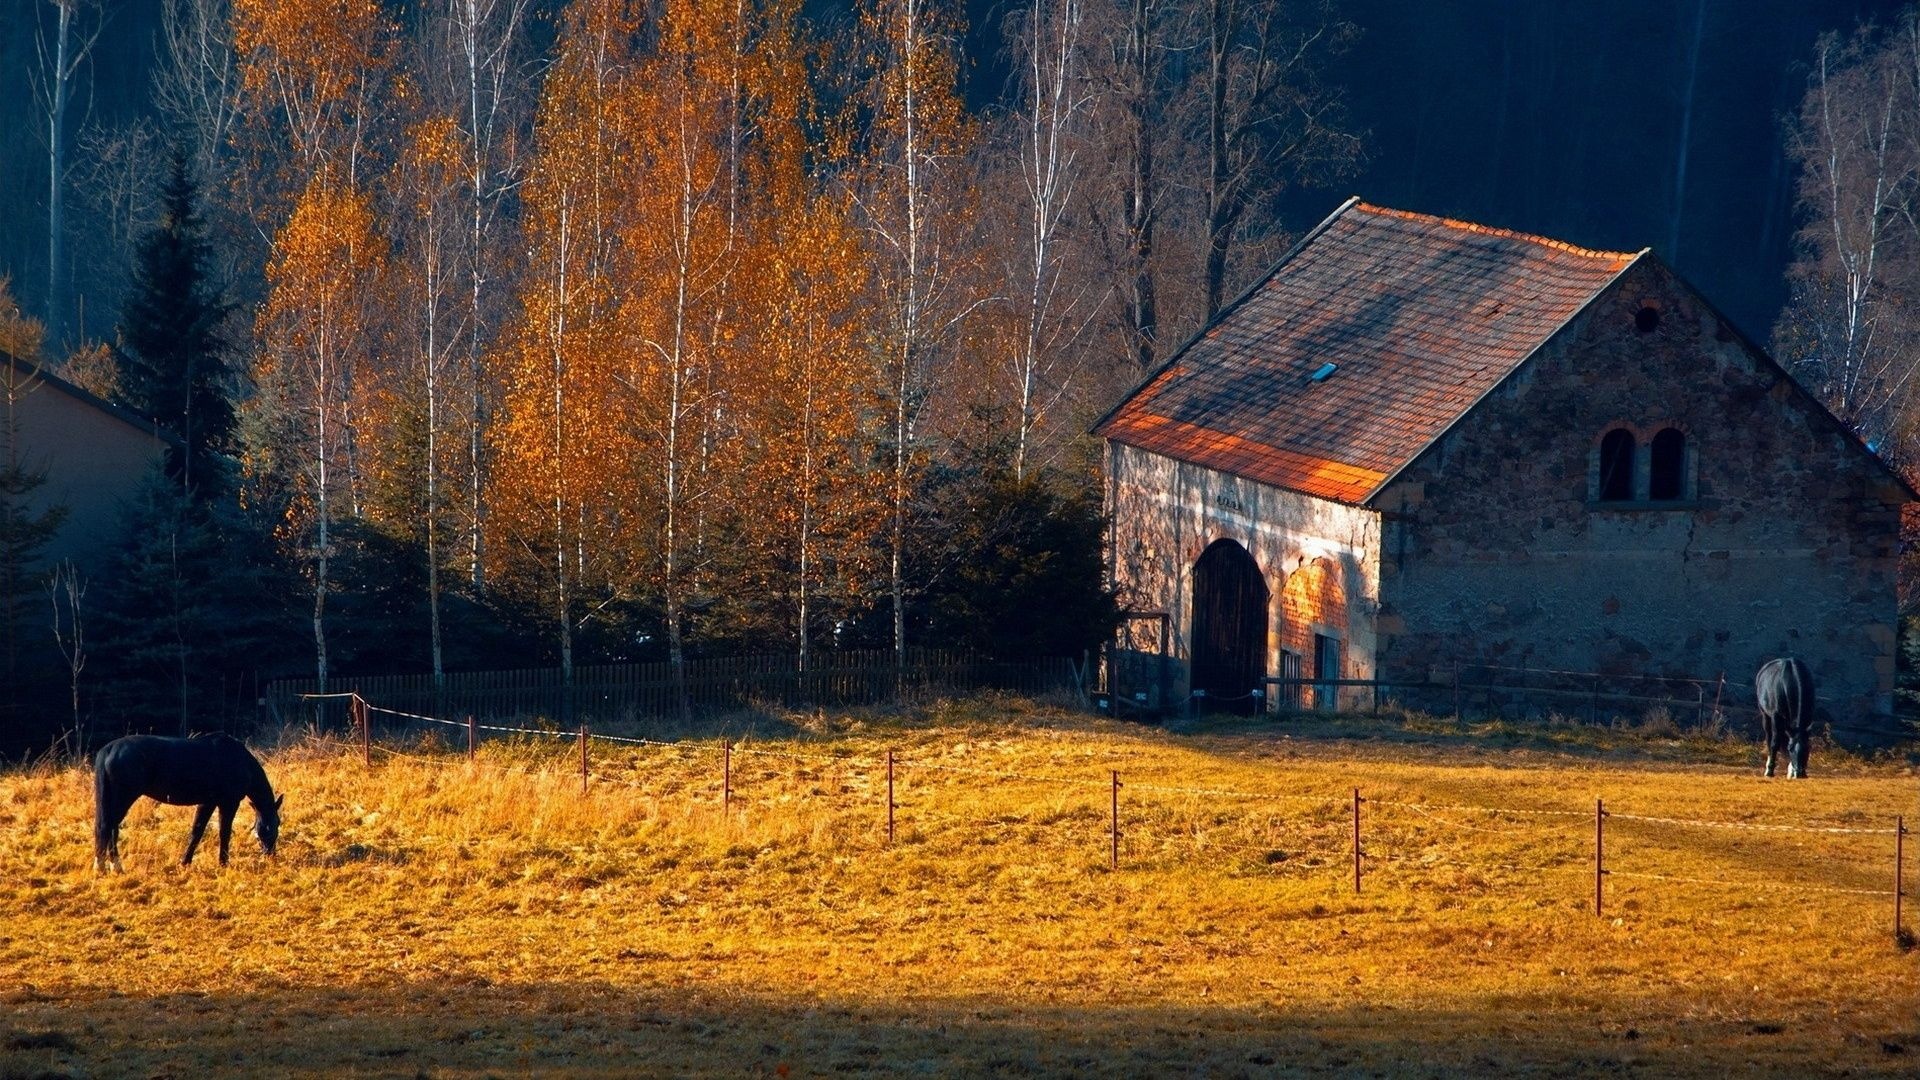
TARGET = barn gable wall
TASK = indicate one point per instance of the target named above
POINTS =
(95, 463)
(1497, 548)
(1320, 560)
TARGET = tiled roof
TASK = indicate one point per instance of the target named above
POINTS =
(1422, 316)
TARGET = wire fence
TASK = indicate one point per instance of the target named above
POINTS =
(629, 693)
(1362, 833)
(1486, 691)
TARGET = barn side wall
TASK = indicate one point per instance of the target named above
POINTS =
(95, 464)
(1499, 550)
(1165, 513)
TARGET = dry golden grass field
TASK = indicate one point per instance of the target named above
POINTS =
(431, 917)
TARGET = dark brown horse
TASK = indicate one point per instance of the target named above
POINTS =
(1784, 690)
(213, 772)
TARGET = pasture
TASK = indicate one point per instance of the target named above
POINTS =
(428, 916)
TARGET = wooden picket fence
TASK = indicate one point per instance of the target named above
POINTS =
(630, 693)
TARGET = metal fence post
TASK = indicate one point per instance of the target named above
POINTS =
(473, 737)
(1599, 850)
(1356, 841)
(726, 779)
(1899, 846)
(890, 802)
(1115, 864)
(366, 731)
(583, 759)
(1456, 695)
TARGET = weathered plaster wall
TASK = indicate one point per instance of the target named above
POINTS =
(1319, 558)
(1496, 549)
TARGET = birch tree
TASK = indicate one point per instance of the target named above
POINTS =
(1054, 292)
(312, 330)
(916, 127)
(62, 52)
(429, 317)
(1128, 65)
(473, 61)
(814, 502)
(1271, 120)
(560, 494)
(1851, 330)
(313, 71)
(682, 248)
(196, 84)
(67, 589)
(793, 465)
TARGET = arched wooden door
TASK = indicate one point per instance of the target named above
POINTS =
(1229, 627)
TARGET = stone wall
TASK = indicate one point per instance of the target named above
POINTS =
(1319, 558)
(1782, 537)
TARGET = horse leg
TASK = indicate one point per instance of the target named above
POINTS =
(226, 828)
(200, 818)
(1773, 743)
(103, 829)
(105, 832)
(108, 813)
(116, 816)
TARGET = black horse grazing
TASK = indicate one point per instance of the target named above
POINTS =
(213, 772)
(1784, 689)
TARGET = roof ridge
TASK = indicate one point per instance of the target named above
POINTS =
(1490, 230)
(38, 369)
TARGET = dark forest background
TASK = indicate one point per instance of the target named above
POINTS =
(1616, 124)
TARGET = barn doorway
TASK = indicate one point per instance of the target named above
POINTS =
(1229, 628)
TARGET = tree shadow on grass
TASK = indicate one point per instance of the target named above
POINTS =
(470, 1029)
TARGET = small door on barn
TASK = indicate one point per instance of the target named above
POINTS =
(1291, 694)
(1326, 665)
(1229, 628)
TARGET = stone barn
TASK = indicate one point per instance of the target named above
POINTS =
(1420, 445)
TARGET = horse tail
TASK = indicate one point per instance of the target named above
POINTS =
(1802, 694)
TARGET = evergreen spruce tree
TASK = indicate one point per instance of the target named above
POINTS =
(196, 609)
(176, 370)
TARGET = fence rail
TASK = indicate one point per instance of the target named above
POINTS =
(1493, 690)
(610, 693)
(1328, 809)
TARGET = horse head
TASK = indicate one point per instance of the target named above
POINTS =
(1797, 740)
(266, 828)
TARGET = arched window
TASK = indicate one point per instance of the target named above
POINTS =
(1616, 466)
(1667, 465)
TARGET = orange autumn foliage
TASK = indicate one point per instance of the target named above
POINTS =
(686, 388)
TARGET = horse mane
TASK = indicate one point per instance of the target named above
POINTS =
(259, 785)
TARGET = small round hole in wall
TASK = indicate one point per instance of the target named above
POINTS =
(1646, 319)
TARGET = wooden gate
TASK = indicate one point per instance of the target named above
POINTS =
(1229, 628)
